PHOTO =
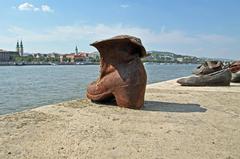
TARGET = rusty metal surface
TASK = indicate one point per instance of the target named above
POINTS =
(122, 74)
(219, 78)
(235, 69)
(208, 67)
(235, 66)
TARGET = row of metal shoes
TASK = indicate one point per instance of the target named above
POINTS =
(213, 73)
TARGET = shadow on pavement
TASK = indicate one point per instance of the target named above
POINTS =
(172, 107)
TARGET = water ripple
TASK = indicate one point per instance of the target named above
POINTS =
(32, 86)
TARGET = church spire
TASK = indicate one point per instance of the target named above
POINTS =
(76, 50)
(21, 49)
(17, 47)
(21, 45)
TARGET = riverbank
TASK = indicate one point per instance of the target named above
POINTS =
(176, 122)
(46, 63)
(80, 63)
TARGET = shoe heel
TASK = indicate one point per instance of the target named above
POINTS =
(130, 96)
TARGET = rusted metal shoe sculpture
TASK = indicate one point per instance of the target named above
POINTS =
(208, 67)
(219, 78)
(236, 77)
(122, 74)
(235, 69)
(235, 66)
(210, 73)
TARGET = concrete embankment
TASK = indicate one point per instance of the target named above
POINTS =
(176, 122)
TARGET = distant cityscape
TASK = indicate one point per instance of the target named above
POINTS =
(18, 57)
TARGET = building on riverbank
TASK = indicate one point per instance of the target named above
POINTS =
(73, 57)
(19, 48)
(7, 56)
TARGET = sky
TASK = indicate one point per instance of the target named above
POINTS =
(203, 28)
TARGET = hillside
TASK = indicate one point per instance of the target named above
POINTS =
(169, 57)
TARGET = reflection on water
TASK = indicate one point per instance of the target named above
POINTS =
(26, 87)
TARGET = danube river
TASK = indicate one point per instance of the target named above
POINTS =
(24, 87)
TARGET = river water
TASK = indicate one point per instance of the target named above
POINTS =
(25, 87)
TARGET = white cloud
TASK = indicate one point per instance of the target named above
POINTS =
(101, 31)
(26, 7)
(169, 40)
(30, 7)
(124, 5)
(46, 8)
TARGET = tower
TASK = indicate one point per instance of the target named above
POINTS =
(21, 49)
(18, 48)
(76, 50)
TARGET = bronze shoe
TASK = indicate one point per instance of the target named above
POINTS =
(122, 74)
(208, 67)
(219, 78)
(235, 69)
